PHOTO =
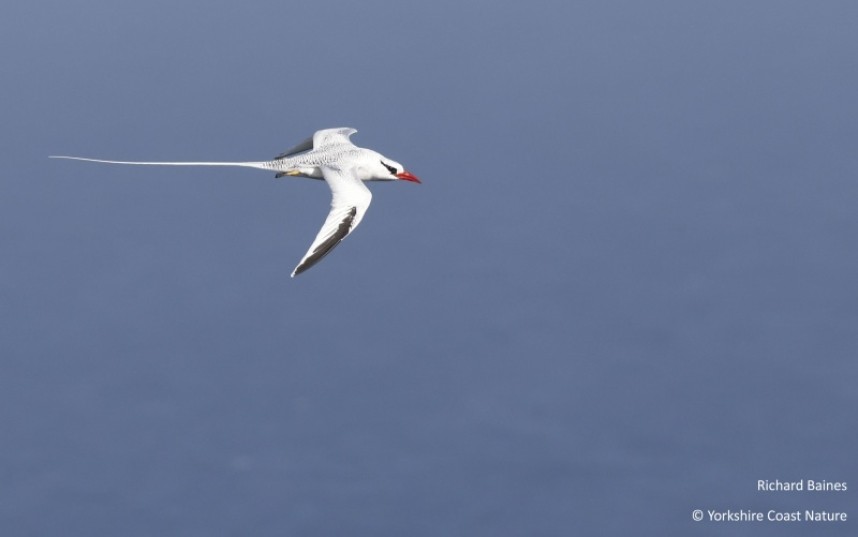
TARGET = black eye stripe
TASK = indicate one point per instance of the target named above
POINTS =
(390, 168)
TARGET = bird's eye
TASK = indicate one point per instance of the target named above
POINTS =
(391, 169)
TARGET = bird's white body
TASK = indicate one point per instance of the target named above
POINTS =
(328, 155)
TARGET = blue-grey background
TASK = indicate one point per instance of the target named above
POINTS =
(625, 290)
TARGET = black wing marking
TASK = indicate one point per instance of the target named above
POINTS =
(324, 249)
(306, 145)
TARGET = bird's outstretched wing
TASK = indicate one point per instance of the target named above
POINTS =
(332, 137)
(319, 139)
(348, 205)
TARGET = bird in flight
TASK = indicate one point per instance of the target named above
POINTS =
(328, 155)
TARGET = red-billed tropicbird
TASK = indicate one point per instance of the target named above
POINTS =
(328, 155)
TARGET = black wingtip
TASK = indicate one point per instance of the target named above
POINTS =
(325, 248)
(306, 145)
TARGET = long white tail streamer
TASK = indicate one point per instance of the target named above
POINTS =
(265, 165)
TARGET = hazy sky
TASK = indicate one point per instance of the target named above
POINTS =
(625, 290)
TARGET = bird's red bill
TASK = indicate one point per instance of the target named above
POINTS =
(408, 176)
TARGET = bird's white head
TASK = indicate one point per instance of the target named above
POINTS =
(390, 170)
